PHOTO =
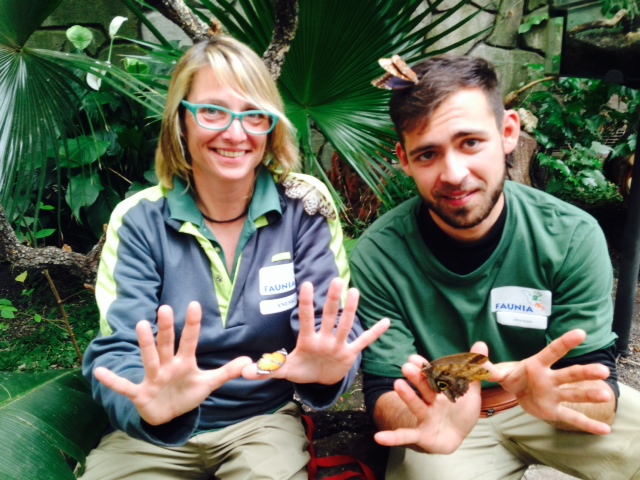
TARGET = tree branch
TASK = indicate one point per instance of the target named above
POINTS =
(180, 14)
(283, 34)
(83, 267)
(604, 23)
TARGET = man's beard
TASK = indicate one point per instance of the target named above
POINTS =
(468, 217)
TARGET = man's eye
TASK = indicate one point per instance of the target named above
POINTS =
(427, 156)
(471, 143)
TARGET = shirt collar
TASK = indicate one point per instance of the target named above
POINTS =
(182, 204)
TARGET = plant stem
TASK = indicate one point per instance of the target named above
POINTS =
(65, 319)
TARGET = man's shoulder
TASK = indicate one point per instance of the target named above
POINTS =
(395, 223)
(536, 201)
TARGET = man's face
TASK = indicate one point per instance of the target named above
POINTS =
(458, 163)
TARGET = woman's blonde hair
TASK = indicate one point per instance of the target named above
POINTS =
(238, 67)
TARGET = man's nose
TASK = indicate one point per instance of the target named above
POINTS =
(455, 169)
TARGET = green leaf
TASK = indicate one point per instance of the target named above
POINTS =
(22, 277)
(43, 418)
(7, 312)
(82, 151)
(532, 21)
(136, 66)
(44, 233)
(83, 191)
(80, 36)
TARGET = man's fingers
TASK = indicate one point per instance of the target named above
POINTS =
(481, 348)
(581, 422)
(401, 436)
(585, 395)
(580, 373)
(560, 347)
(414, 403)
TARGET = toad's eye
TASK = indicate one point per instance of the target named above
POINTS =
(270, 362)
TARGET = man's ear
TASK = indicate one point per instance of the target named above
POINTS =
(510, 131)
(402, 156)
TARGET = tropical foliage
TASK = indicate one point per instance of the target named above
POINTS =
(576, 121)
(63, 145)
(46, 419)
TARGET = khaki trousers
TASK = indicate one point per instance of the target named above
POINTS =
(503, 446)
(263, 447)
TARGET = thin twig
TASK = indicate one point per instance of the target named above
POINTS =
(65, 319)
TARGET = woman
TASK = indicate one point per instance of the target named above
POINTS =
(225, 266)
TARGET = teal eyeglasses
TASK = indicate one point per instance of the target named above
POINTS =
(217, 118)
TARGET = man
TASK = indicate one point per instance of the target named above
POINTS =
(483, 264)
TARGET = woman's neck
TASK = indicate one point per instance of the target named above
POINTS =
(225, 200)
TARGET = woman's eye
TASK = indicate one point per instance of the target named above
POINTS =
(255, 115)
(211, 111)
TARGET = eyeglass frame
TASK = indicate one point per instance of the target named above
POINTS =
(193, 107)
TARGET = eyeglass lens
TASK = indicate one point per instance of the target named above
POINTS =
(217, 119)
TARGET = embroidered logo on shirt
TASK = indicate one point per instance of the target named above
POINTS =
(277, 279)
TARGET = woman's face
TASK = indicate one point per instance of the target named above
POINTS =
(231, 155)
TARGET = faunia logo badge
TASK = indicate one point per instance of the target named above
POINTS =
(521, 306)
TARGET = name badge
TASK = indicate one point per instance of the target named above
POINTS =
(521, 306)
(520, 320)
(277, 279)
(278, 304)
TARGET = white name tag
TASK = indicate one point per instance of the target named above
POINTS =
(278, 304)
(522, 320)
(521, 300)
(277, 279)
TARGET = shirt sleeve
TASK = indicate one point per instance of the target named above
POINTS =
(582, 291)
(127, 290)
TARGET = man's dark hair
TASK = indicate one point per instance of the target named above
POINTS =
(439, 77)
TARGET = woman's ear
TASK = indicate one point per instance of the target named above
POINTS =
(510, 131)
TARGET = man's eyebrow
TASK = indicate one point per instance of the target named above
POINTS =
(456, 136)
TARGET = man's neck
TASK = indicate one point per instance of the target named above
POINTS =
(461, 257)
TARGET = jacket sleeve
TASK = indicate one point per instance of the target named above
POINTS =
(319, 257)
(127, 291)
